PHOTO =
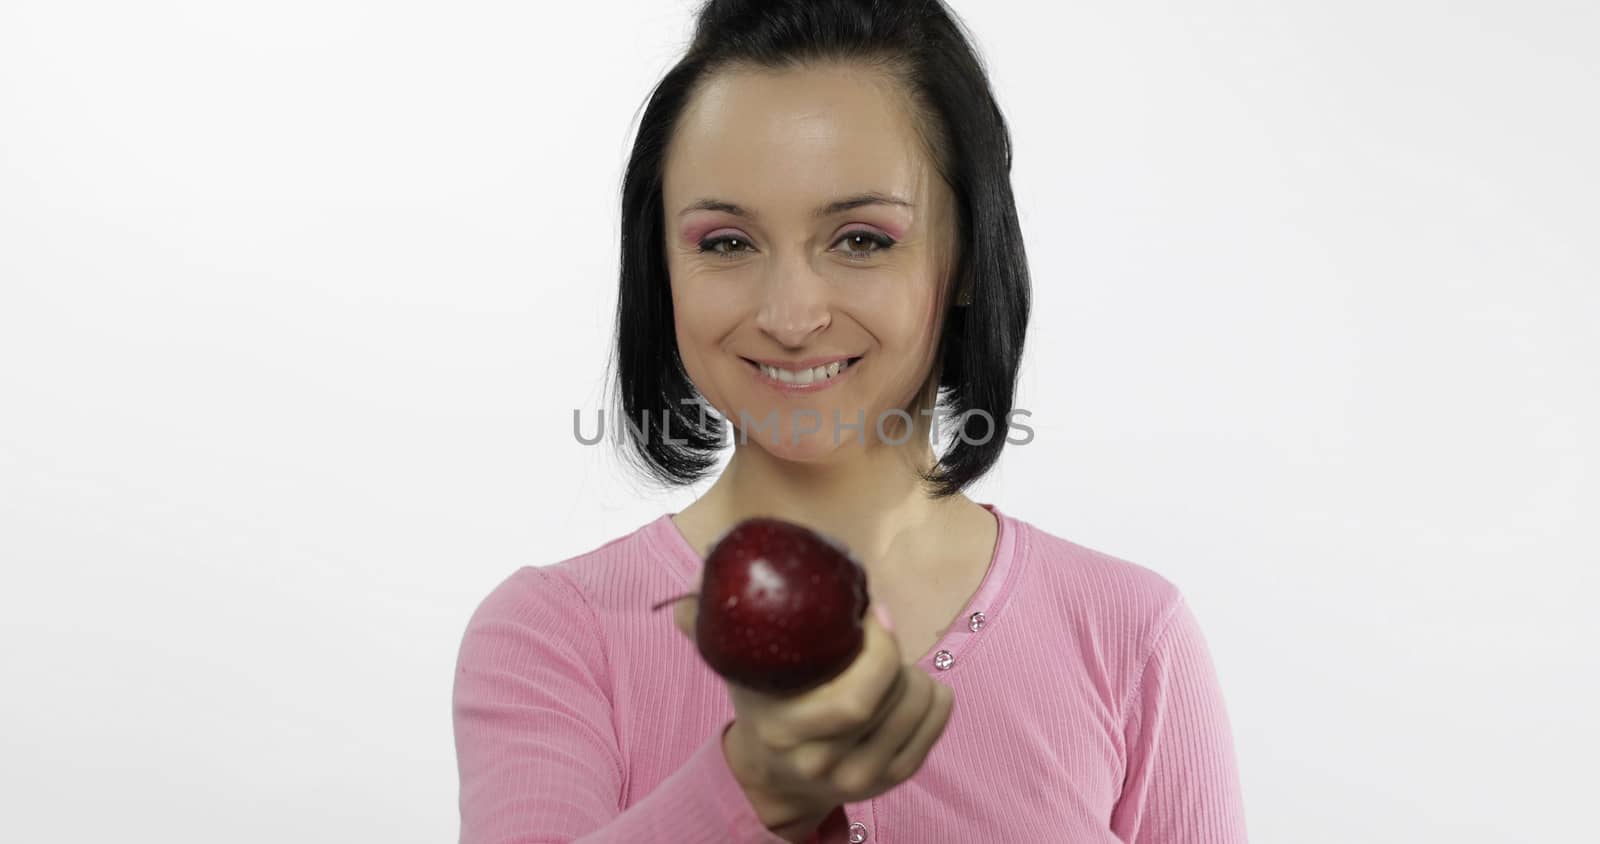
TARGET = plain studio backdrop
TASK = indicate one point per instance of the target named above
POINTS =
(297, 301)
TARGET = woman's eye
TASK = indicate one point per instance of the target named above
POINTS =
(862, 244)
(857, 244)
(734, 245)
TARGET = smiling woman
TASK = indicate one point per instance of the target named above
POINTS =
(809, 226)
(820, 245)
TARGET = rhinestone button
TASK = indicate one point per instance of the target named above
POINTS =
(858, 832)
(943, 660)
(975, 622)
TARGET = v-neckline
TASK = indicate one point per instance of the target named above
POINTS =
(988, 599)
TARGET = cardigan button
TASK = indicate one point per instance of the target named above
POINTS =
(975, 621)
(943, 660)
(858, 832)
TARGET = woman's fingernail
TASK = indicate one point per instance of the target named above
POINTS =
(882, 612)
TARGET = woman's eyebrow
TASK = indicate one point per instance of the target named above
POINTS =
(838, 205)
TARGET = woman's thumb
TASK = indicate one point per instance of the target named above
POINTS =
(685, 612)
(881, 611)
(685, 608)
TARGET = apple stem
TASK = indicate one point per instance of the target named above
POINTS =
(657, 607)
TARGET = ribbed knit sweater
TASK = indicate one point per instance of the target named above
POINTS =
(1087, 710)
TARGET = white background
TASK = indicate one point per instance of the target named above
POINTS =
(296, 300)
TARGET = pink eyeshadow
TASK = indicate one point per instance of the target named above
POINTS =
(696, 232)
(894, 231)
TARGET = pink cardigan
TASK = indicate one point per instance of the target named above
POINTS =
(1087, 710)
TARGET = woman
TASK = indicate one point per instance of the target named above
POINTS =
(818, 241)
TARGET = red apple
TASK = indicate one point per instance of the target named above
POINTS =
(781, 607)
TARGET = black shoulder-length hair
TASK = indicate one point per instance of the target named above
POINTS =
(924, 45)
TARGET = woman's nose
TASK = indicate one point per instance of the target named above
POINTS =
(794, 306)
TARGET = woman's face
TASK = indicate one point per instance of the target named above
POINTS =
(805, 224)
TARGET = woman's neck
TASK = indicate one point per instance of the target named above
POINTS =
(869, 498)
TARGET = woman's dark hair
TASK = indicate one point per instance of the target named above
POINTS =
(923, 45)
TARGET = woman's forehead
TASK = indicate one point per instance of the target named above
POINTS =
(798, 132)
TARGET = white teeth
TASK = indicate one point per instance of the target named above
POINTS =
(804, 376)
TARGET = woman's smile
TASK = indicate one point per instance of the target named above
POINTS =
(791, 380)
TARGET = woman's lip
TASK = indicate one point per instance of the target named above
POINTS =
(807, 363)
(814, 386)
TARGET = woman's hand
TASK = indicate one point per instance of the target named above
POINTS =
(848, 740)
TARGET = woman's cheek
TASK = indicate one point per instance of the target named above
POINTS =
(893, 290)
(694, 283)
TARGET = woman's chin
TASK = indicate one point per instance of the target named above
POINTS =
(807, 448)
